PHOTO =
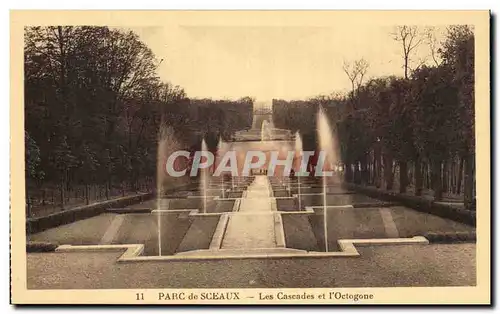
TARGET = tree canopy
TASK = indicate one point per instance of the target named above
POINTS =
(94, 106)
(425, 118)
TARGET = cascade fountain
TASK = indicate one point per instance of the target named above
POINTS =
(298, 150)
(159, 192)
(264, 132)
(204, 178)
(327, 145)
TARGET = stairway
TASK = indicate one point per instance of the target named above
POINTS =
(243, 252)
(252, 226)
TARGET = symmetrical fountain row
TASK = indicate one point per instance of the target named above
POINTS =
(327, 144)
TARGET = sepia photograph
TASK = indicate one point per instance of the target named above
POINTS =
(257, 157)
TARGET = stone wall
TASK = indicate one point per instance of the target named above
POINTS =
(34, 225)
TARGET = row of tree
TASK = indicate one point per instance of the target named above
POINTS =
(94, 106)
(419, 126)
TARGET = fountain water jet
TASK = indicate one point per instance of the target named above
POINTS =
(220, 153)
(159, 192)
(298, 150)
(327, 145)
(160, 175)
(204, 178)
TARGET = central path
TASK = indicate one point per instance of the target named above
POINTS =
(253, 225)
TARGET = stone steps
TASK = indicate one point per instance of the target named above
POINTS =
(253, 226)
(242, 252)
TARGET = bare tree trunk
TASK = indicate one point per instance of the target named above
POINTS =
(445, 176)
(28, 203)
(428, 176)
(377, 169)
(388, 172)
(418, 177)
(87, 200)
(437, 185)
(369, 170)
(356, 173)
(406, 56)
(411, 173)
(44, 192)
(108, 187)
(347, 172)
(460, 174)
(62, 189)
(453, 172)
(403, 176)
(469, 199)
(365, 174)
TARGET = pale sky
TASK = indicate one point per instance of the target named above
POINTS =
(290, 62)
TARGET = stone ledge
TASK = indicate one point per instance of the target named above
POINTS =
(327, 193)
(214, 197)
(40, 247)
(170, 211)
(129, 210)
(279, 232)
(34, 225)
(131, 250)
(451, 237)
(331, 207)
(308, 210)
(236, 206)
(274, 206)
(218, 236)
(348, 249)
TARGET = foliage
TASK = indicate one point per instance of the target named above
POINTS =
(94, 106)
(426, 116)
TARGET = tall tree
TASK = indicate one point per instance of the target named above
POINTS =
(458, 54)
(355, 71)
(410, 38)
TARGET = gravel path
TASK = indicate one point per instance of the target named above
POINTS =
(382, 266)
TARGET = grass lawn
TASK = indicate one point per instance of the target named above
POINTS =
(199, 235)
(362, 223)
(299, 233)
(143, 229)
(82, 232)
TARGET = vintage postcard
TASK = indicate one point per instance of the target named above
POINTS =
(250, 157)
